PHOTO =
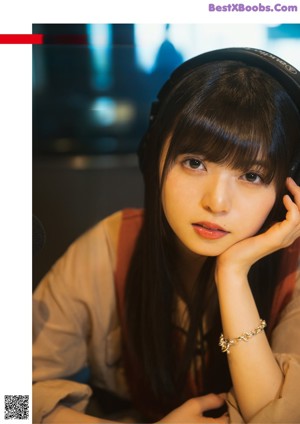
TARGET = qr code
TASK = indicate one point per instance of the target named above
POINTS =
(16, 407)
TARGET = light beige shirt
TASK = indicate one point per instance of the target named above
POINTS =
(76, 325)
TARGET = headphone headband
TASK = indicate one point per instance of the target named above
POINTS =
(287, 75)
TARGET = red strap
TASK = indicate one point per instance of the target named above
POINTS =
(287, 276)
(130, 227)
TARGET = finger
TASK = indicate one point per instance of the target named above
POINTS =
(294, 189)
(293, 212)
(223, 395)
(287, 231)
(288, 203)
(211, 401)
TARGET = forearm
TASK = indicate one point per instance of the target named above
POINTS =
(255, 373)
(62, 414)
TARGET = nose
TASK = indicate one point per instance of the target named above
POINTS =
(217, 196)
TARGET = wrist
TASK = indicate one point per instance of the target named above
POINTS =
(230, 274)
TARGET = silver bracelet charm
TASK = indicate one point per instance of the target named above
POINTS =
(227, 343)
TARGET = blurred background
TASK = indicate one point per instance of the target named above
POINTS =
(91, 94)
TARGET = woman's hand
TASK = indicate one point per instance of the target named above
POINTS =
(242, 255)
(192, 411)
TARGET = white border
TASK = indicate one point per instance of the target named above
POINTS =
(15, 136)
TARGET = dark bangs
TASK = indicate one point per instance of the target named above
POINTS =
(238, 122)
(236, 147)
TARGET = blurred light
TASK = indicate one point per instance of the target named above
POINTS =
(193, 39)
(105, 110)
(148, 39)
(63, 145)
(99, 35)
(108, 112)
(100, 42)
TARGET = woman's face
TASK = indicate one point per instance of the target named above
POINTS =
(210, 206)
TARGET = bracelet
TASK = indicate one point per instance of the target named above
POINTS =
(227, 343)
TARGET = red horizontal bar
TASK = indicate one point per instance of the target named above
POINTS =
(21, 38)
(63, 39)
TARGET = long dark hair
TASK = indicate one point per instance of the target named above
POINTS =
(232, 114)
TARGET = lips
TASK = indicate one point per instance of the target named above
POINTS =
(209, 230)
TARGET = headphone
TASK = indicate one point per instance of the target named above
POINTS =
(279, 69)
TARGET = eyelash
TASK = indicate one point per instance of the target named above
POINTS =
(186, 162)
(256, 175)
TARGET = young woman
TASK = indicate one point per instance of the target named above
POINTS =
(193, 303)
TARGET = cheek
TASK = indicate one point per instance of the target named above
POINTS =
(169, 198)
(258, 212)
(266, 204)
(177, 194)
(169, 190)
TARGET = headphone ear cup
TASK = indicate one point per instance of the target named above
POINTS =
(141, 151)
(296, 173)
(295, 168)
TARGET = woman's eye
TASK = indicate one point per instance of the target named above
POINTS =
(193, 163)
(253, 177)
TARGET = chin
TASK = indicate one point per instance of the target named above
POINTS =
(206, 252)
